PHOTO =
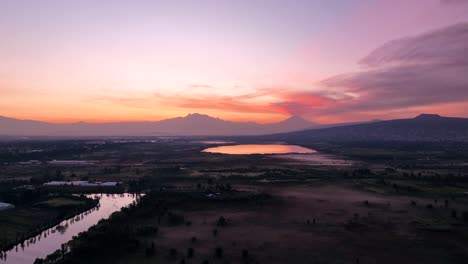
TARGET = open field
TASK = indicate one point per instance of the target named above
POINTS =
(311, 223)
(61, 202)
(374, 204)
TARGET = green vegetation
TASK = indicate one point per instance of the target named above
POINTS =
(396, 203)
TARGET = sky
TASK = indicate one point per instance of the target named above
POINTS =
(328, 61)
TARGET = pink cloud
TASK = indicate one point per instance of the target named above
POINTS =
(283, 102)
(421, 70)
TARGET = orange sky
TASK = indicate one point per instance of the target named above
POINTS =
(101, 61)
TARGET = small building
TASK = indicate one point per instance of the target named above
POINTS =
(6, 206)
(29, 162)
(71, 162)
(81, 183)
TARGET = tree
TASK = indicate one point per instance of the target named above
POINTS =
(465, 216)
(454, 213)
(245, 254)
(219, 252)
(221, 221)
(190, 253)
(173, 252)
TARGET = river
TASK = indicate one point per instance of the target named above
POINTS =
(51, 239)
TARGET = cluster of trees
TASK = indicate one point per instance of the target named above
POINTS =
(129, 231)
(11, 152)
(119, 233)
(358, 173)
(56, 215)
(22, 196)
(437, 179)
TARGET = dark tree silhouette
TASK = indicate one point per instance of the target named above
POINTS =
(173, 252)
(219, 252)
(245, 254)
(190, 253)
(221, 221)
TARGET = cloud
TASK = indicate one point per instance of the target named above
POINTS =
(201, 86)
(301, 103)
(415, 71)
(262, 101)
(442, 46)
(409, 73)
(452, 2)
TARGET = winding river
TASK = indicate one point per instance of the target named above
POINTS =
(51, 239)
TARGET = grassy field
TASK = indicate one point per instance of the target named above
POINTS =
(62, 201)
(323, 222)
(384, 203)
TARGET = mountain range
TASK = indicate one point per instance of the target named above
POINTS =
(190, 125)
(425, 127)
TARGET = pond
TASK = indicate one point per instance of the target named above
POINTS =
(51, 239)
(259, 149)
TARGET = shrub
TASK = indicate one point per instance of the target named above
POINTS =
(221, 221)
(454, 213)
(219, 252)
(245, 254)
(190, 253)
(173, 252)
(465, 216)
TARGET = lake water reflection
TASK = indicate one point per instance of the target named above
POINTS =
(259, 149)
(51, 239)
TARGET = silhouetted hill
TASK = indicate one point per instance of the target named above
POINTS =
(190, 125)
(425, 127)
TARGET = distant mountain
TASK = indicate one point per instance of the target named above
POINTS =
(425, 127)
(297, 122)
(190, 125)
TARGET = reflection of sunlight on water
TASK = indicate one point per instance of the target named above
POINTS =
(51, 239)
(259, 149)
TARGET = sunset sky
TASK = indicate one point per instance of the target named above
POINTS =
(254, 60)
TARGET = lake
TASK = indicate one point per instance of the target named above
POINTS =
(259, 149)
(51, 239)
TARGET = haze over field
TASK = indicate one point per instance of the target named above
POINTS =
(241, 61)
(424, 127)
